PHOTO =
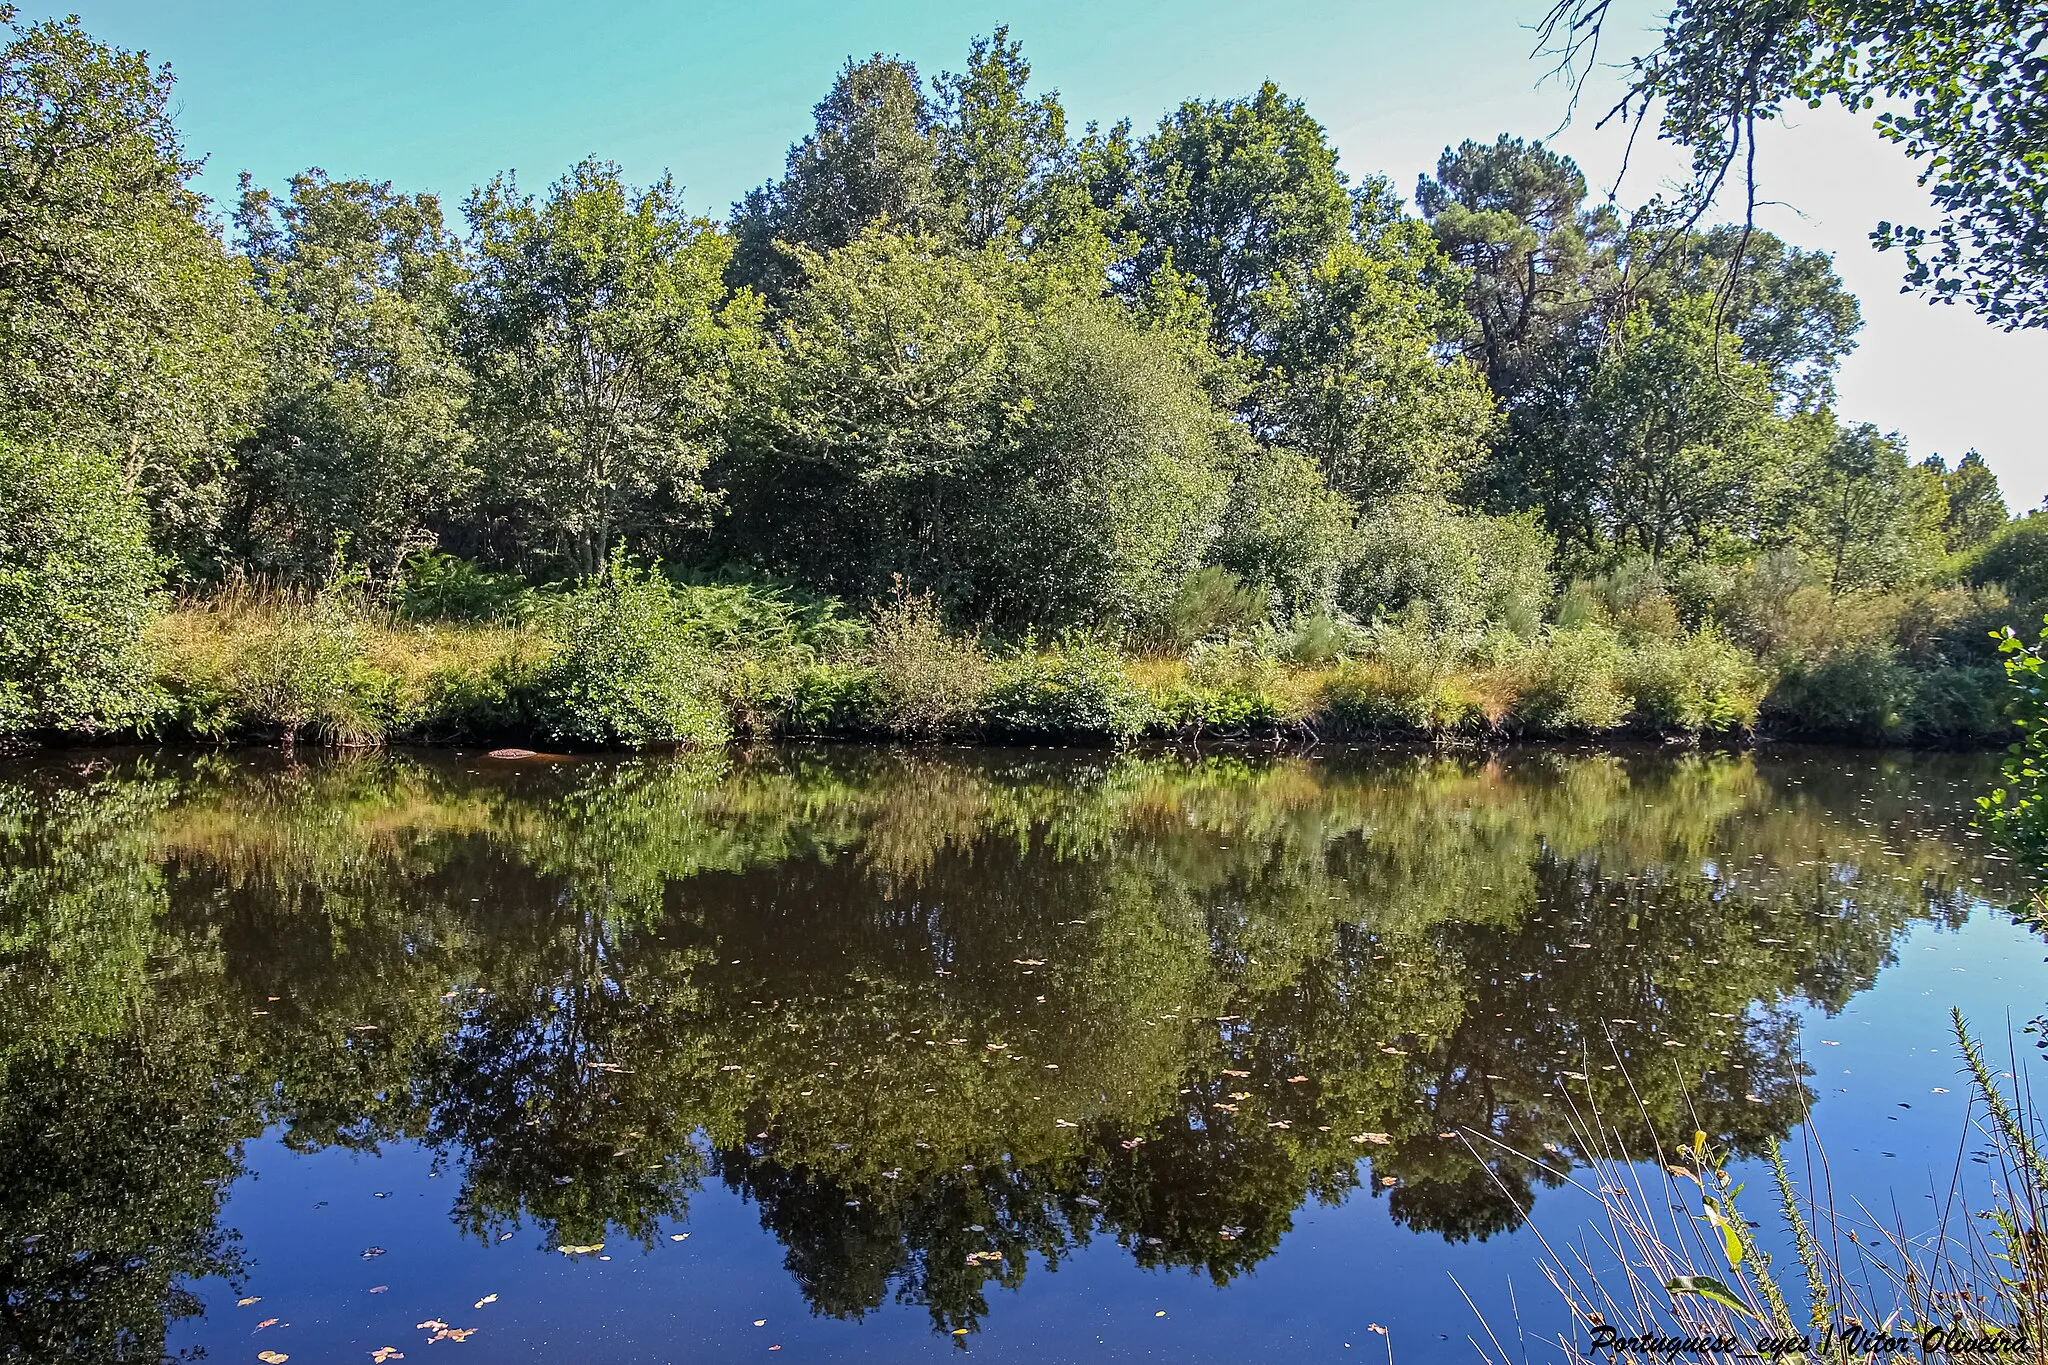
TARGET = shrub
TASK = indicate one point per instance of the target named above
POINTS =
(1692, 683)
(1076, 688)
(1569, 681)
(631, 669)
(2016, 560)
(1861, 691)
(1230, 686)
(927, 682)
(1466, 569)
(1322, 639)
(1212, 602)
(78, 586)
(1409, 683)
(441, 587)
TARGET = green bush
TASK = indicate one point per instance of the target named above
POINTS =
(1213, 602)
(2017, 560)
(441, 587)
(1466, 569)
(1570, 681)
(1231, 686)
(1076, 688)
(1408, 683)
(78, 587)
(631, 669)
(1692, 683)
(1861, 691)
(927, 682)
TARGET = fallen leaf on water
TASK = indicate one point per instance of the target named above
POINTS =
(370, 1252)
(267, 1322)
(504, 1236)
(244, 1303)
(959, 1331)
(1239, 1074)
(272, 1357)
(1381, 1138)
(1296, 1080)
(455, 1334)
(580, 1250)
(379, 1288)
(679, 1236)
(1830, 1042)
(1939, 1091)
(1160, 1314)
(434, 1324)
(1062, 1123)
(488, 1298)
(1387, 1180)
(1375, 1327)
(760, 1322)
(384, 1353)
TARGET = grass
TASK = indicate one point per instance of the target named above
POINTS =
(642, 660)
(1861, 1286)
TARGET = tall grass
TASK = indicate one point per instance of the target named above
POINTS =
(1672, 1264)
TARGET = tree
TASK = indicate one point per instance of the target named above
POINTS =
(1233, 193)
(872, 158)
(1004, 164)
(1959, 82)
(1976, 507)
(1681, 433)
(1872, 520)
(1786, 307)
(605, 348)
(1512, 215)
(78, 585)
(360, 447)
(1351, 375)
(988, 427)
(124, 322)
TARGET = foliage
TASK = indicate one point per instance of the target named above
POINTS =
(2018, 811)
(124, 323)
(78, 587)
(631, 669)
(440, 587)
(605, 350)
(930, 683)
(1463, 569)
(1958, 86)
(359, 442)
(1076, 687)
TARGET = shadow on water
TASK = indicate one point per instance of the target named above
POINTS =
(937, 1015)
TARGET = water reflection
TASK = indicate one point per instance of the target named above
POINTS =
(939, 1016)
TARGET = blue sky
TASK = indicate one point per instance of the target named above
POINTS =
(440, 94)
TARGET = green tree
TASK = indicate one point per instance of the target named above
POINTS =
(1512, 215)
(872, 158)
(1350, 371)
(1976, 506)
(78, 586)
(1683, 434)
(360, 446)
(1787, 308)
(1232, 193)
(989, 427)
(124, 321)
(1003, 160)
(1871, 519)
(605, 348)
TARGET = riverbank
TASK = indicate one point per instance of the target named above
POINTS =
(637, 660)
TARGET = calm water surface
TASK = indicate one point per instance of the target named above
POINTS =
(861, 1054)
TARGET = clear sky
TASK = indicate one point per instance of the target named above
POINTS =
(439, 94)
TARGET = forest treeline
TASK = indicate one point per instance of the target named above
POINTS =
(967, 421)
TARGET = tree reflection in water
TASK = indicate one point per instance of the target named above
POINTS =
(935, 1014)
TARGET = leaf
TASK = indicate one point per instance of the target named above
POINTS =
(567, 1250)
(488, 1298)
(1707, 1287)
(244, 1303)
(384, 1353)
(267, 1322)
(272, 1357)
